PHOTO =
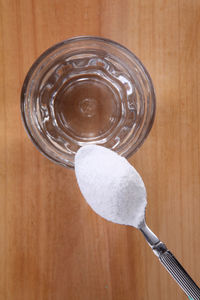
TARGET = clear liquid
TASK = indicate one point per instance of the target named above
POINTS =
(87, 100)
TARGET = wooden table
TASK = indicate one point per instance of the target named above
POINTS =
(52, 246)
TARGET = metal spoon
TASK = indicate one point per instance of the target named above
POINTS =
(99, 162)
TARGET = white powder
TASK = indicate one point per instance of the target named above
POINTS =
(110, 185)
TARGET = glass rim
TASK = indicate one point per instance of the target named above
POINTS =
(58, 45)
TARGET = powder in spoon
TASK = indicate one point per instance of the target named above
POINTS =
(110, 185)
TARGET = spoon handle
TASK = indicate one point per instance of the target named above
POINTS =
(171, 264)
(175, 269)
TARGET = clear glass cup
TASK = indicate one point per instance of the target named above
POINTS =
(87, 90)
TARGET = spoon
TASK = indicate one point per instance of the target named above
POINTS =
(115, 191)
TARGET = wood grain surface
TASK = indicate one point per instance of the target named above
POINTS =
(52, 246)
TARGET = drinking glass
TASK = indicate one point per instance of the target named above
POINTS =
(87, 90)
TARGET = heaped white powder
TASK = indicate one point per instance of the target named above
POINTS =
(110, 185)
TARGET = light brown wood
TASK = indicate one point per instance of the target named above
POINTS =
(52, 246)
